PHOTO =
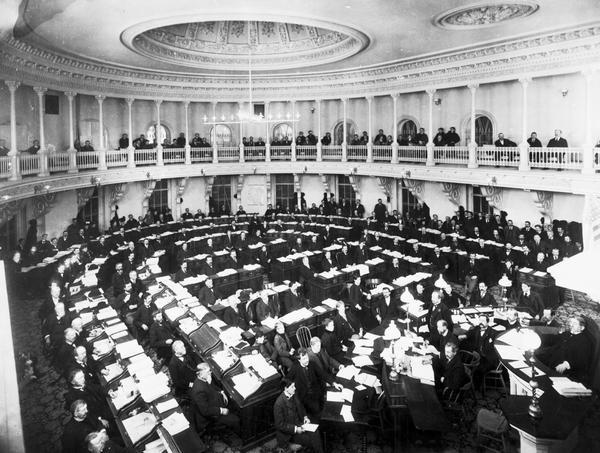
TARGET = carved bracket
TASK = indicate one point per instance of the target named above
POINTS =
(117, 192)
(355, 180)
(414, 187)
(452, 191)
(10, 209)
(148, 189)
(83, 196)
(208, 191)
(544, 201)
(493, 194)
(42, 204)
(325, 182)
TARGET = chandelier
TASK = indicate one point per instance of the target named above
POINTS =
(246, 113)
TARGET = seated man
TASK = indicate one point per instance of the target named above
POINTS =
(183, 273)
(290, 416)
(511, 321)
(181, 369)
(530, 302)
(385, 308)
(449, 370)
(331, 342)
(328, 365)
(480, 339)
(76, 429)
(572, 354)
(160, 338)
(210, 403)
(482, 297)
(443, 337)
(94, 397)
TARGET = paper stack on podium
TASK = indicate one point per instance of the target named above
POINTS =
(126, 393)
(245, 384)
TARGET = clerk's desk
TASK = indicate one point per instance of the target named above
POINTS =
(557, 430)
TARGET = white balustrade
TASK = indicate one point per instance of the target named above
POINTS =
(331, 152)
(228, 153)
(145, 156)
(5, 166)
(382, 153)
(58, 162)
(357, 153)
(254, 153)
(451, 154)
(412, 154)
(556, 158)
(281, 152)
(306, 152)
(116, 158)
(87, 159)
(29, 164)
(173, 155)
(498, 157)
(201, 154)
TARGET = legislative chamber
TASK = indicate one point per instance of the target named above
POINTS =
(299, 226)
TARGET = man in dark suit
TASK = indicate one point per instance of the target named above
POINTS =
(181, 369)
(557, 141)
(385, 308)
(449, 370)
(360, 254)
(380, 211)
(208, 268)
(290, 416)
(160, 338)
(530, 302)
(210, 403)
(482, 297)
(328, 365)
(354, 298)
(511, 233)
(80, 389)
(76, 429)
(332, 341)
(439, 261)
(206, 294)
(343, 258)
(480, 339)
(183, 273)
(438, 311)
(118, 280)
(443, 337)
(393, 271)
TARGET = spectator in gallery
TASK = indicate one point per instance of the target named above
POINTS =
(124, 141)
(140, 142)
(87, 146)
(557, 141)
(504, 142)
(3, 149)
(326, 140)
(440, 138)
(364, 138)
(180, 141)
(34, 148)
(380, 138)
(452, 138)
(533, 141)
(421, 137)
(355, 140)
(300, 139)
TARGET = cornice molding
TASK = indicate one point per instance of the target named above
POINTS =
(554, 53)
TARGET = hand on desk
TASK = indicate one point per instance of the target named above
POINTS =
(224, 411)
(306, 420)
(337, 386)
(378, 319)
(562, 367)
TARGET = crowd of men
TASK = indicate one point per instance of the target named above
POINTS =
(308, 372)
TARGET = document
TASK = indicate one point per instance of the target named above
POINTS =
(129, 349)
(361, 361)
(139, 425)
(245, 384)
(188, 325)
(336, 397)
(347, 394)
(518, 364)
(348, 372)
(346, 413)
(331, 303)
(153, 386)
(113, 370)
(509, 352)
(175, 313)
(175, 423)
(269, 322)
(166, 405)
(362, 350)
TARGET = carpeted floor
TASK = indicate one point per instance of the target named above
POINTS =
(43, 413)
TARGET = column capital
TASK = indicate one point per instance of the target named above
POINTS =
(318, 100)
(395, 95)
(369, 98)
(186, 104)
(158, 102)
(473, 87)
(292, 101)
(524, 81)
(40, 90)
(129, 101)
(214, 103)
(344, 100)
(100, 98)
(70, 95)
(12, 85)
(430, 92)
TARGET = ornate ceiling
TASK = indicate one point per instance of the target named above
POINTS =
(236, 45)
(200, 50)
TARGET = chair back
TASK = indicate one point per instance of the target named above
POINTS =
(303, 336)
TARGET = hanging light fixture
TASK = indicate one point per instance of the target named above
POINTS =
(246, 113)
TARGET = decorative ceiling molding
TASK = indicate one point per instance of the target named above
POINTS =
(553, 53)
(148, 190)
(355, 182)
(386, 185)
(485, 14)
(325, 182)
(9, 210)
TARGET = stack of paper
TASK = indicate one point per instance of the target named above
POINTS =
(139, 425)
(154, 386)
(175, 423)
(140, 365)
(361, 361)
(129, 349)
(296, 316)
(331, 303)
(188, 325)
(245, 384)
(348, 372)
(165, 406)
(102, 347)
(175, 313)
(422, 371)
(125, 393)
(259, 364)
(106, 313)
(567, 387)
(112, 371)
(346, 413)
(156, 446)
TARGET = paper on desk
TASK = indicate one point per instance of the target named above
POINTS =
(115, 328)
(320, 309)
(269, 322)
(527, 371)
(366, 379)
(113, 370)
(362, 342)
(310, 427)
(331, 303)
(156, 446)
(153, 386)
(106, 313)
(120, 334)
(509, 352)
(348, 372)
(421, 370)
(175, 423)
(259, 364)
(216, 324)
(371, 336)
(245, 384)
(348, 394)
(518, 364)
(128, 349)
(362, 350)
(346, 413)
(336, 397)
(361, 360)
(139, 425)
(199, 311)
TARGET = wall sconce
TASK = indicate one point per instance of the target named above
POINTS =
(148, 175)
(96, 181)
(202, 171)
(254, 170)
(437, 101)
(5, 197)
(564, 92)
(312, 110)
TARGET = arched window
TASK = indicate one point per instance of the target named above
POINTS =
(221, 135)
(338, 132)
(162, 135)
(220, 199)
(283, 130)
(484, 130)
(406, 128)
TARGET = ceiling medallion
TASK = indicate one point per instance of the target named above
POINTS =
(484, 14)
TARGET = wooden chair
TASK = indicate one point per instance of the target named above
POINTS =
(303, 336)
(494, 379)
(493, 427)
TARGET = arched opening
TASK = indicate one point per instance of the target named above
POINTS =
(484, 130)
(221, 135)
(163, 134)
(407, 127)
(338, 132)
(88, 130)
(283, 130)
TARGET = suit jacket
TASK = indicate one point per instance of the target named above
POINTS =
(282, 345)
(325, 362)
(310, 381)
(360, 255)
(331, 343)
(486, 300)
(180, 275)
(560, 143)
(158, 336)
(532, 303)
(182, 374)
(208, 401)
(343, 260)
(437, 312)
(482, 342)
(454, 373)
(75, 432)
(393, 273)
(93, 396)
(206, 296)
(288, 413)
(379, 307)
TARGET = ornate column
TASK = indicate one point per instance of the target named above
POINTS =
(319, 131)
(293, 150)
(15, 170)
(344, 131)
(101, 148)
(241, 143)
(186, 131)
(523, 146)
(370, 129)
(72, 151)
(430, 161)
(159, 148)
(267, 133)
(214, 145)
(472, 143)
(588, 145)
(43, 152)
(395, 128)
(130, 148)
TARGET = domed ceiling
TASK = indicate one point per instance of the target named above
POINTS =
(237, 44)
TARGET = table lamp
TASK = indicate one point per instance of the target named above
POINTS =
(393, 333)
(529, 341)
(440, 283)
(407, 298)
(504, 283)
